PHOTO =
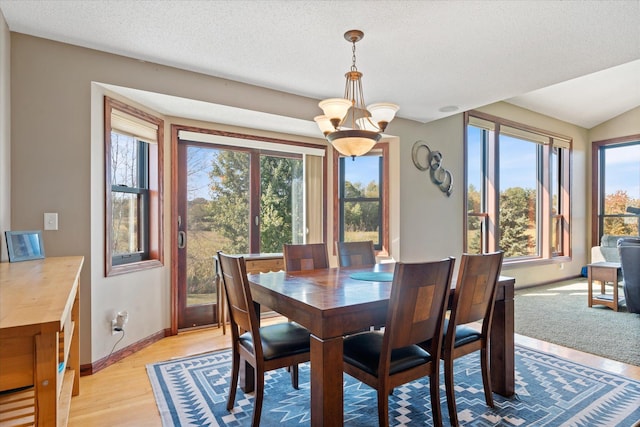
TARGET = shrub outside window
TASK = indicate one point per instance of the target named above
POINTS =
(517, 189)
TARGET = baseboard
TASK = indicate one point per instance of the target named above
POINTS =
(548, 282)
(98, 365)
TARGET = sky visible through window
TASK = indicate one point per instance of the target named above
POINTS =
(200, 161)
(622, 166)
(623, 161)
(518, 163)
(362, 169)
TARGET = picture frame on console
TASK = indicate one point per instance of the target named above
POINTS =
(24, 245)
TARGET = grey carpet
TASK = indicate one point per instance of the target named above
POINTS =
(558, 313)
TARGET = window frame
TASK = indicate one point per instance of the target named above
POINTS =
(547, 141)
(256, 146)
(150, 224)
(383, 248)
(142, 193)
(597, 200)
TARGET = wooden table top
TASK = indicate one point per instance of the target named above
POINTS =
(333, 288)
(37, 292)
(327, 289)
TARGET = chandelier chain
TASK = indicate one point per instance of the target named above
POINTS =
(353, 57)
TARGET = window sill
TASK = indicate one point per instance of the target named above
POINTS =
(525, 263)
(117, 270)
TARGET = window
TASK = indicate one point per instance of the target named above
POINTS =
(517, 189)
(361, 197)
(240, 194)
(616, 187)
(247, 195)
(133, 197)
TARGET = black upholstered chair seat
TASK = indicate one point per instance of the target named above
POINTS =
(464, 334)
(363, 351)
(279, 340)
(274, 347)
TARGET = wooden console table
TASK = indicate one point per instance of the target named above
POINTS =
(604, 272)
(39, 340)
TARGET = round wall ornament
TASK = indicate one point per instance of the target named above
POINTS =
(427, 160)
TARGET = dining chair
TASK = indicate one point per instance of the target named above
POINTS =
(417, 306)
(473, 301)
(265, 348)
(310, 256)
(629, 250)
(355, 253)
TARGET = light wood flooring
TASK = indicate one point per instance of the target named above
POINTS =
(120, 395)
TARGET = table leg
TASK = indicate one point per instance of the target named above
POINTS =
(615, 291)
(502, 350)
(247, 377)
(327, 401)
(590, 286)
(46, 379)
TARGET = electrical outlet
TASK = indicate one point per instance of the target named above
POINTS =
(117, 324)
(114, 325)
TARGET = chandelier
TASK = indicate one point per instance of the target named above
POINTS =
(351, 128)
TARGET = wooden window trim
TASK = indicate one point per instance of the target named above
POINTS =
(492, 177)
(595, 180)
(155, 162)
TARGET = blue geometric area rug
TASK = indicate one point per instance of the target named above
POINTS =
(550, 391)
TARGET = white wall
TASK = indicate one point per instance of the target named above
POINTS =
(430, 221)
(624, 125)
(5, 133)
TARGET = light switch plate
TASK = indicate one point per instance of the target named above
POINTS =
(50, 221)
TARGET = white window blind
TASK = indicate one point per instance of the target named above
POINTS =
(249, 143)
(127, 124)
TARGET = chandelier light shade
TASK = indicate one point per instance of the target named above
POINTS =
(351, 128)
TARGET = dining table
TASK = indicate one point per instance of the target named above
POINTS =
(335, 302)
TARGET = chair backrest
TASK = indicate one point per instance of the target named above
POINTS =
(242, 312)
(312, 256)
(476, 286)
(417, 306)
(355, 253)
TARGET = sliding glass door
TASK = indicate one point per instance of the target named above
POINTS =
(236, 200)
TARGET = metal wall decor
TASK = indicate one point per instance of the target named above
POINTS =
(433, 163)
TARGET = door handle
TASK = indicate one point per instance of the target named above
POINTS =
(182, 239)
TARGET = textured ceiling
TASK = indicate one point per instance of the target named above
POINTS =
(575, 60)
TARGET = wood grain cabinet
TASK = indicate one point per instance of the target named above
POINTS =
(39, 340)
